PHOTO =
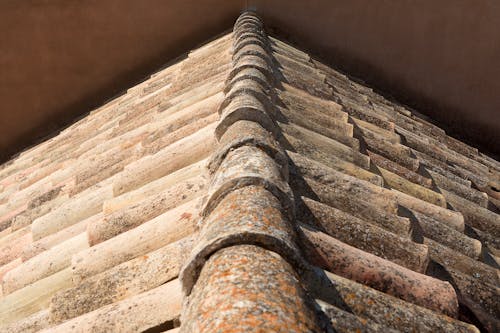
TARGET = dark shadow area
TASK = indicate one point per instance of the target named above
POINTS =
(469, 311)
(416, 234)
(486, 255)
(168, 325)
(329, 293)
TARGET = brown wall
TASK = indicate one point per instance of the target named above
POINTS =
(60, 58)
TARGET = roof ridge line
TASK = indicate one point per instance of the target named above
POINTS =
(248, 216)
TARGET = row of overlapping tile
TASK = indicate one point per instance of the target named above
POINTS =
(401, 214)
(389, 201)
(241, 275)
(94, 222)
(311, 168)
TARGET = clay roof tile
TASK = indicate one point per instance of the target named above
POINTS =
(250, 187)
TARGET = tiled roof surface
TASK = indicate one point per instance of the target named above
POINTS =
(250, 187)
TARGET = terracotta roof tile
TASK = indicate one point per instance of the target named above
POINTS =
(379, 307)
(44, 264)
(184, 152)
(80, 207)
(136, 214)
(385, 164)
(164, 229)
(357, 265)
(450, 237)
(364, 235)
(321, 152)
(250, 187)
(46, 243)
(343, 321)
(120, 282)
(13, 249)
(134, 314)
(244, 288)
(29, 324)
(34, 297)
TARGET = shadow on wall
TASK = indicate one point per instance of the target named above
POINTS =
(61, 59)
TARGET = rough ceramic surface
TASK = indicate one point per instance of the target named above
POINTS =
(250, 215)
(247, 288)
(204, 199)
(357, 265)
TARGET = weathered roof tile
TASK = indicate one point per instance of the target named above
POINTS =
(246, 287)
(238, 169)
(33, 298)
(135, 314)
(30, 324)
(447, 236)
(365, 236)
(44, 264)
(143, 273)
(136, 214)
(354, 264)
(164, 229)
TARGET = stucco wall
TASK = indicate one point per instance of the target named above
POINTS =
(59, 58)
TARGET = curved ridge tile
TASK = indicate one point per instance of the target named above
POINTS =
(249, 215)
(246, 166)
(249, 212)
(244, 107)
(248, 73)
(246, 287)
(248, 133)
